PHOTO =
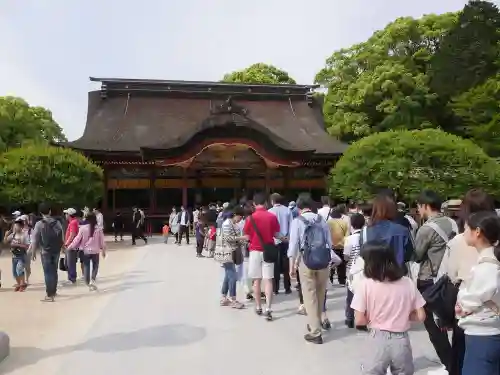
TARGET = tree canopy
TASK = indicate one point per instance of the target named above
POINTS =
(259, 73)
(411, 161)
(33, 174)
(413, 75)
(19, 122)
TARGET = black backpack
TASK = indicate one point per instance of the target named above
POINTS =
(51, 236)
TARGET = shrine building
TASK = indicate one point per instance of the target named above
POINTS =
(167, 143)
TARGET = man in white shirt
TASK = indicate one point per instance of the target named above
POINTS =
(324, 211)
(99, 218)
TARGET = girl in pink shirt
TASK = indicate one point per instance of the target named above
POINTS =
(386, 301)
(90, 239)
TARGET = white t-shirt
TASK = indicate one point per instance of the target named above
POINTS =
(324, 212)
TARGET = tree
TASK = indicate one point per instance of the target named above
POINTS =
(32, 174)
(259, 73)
(411, 161)
(19, 123)
(382, 83)
(468, 54)
(479, 111)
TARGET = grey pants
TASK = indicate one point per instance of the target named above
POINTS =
(388, 350)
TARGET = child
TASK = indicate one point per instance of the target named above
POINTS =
(479, 297)
(19, 244)
(351, 253)
(166, 232)
(212, 241)
(386, 301)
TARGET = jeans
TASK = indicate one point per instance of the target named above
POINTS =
(438, 338)
(50, 263)
(229, 282)
(71, 259)
(18, 266)
(349, 312)
(482, 355)
(87, 259)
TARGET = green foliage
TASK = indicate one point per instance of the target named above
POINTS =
(259, 73)
(411, 161)
(479, 110)
(382, 83)
(33, 174)
(20, 123)
(468, 54)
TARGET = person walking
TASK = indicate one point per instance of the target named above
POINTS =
(71, 255)
(173, 223)
(48, 238)
(281, 266)
(137, 227)
(310, 253)
(183, 220)
(90, 239)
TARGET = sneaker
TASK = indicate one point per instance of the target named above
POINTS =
(326, 325)
(258, 310)
(249, 297)
(349, 323)
(313, 339)
(302, 310)
(92, 286)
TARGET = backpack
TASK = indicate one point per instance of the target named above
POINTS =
(315, 251)
(51, 236)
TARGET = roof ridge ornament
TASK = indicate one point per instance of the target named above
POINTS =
(229, 107)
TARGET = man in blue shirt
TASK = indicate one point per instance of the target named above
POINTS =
(285, 218)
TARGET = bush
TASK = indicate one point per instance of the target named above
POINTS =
(33, 174)
(410, 161)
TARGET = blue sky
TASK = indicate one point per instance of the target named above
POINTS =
(51, 47)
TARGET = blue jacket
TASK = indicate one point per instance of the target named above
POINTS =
(395, 235)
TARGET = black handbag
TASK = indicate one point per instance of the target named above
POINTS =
(441, 298)
(271, 251)
(62, 264)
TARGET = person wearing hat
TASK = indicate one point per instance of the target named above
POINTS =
(19, 245)
(71, 233)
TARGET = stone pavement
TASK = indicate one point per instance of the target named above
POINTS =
(158, 312)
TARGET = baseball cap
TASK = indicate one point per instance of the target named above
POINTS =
(225, 205)
(16, 213)
(70, 211)
(291, 204)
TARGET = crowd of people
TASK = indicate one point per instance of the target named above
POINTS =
(437, 269)
(61, 244)
(394, 271)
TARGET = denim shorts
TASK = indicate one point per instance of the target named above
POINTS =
(18, 266)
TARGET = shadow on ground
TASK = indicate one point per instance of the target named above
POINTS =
(151, 337)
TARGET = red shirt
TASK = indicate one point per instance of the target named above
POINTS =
(72, 228)
(268, 226)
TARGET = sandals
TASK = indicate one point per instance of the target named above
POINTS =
(224, 302)
(302, 310)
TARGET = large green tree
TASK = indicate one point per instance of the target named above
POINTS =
(383, 83)
(468, 55)
(411, 161)
(259, 73)
(32, 174)
(19, 122)
(479, 112)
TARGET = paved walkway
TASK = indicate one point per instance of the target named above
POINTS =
(157, 312)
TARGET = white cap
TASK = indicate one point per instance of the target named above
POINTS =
(24, 217)
(16, 213)
(225, 205)
(70, 211)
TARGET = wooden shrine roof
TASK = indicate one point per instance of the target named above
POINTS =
(126, 116)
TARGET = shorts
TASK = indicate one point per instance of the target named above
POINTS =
(257, 268)
(18, 266)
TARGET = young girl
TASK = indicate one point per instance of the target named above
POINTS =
(90, 239)
(479, 297)
(165, 232)
(19, 244)
(386, 301)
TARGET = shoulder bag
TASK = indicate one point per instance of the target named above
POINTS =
(270, 250)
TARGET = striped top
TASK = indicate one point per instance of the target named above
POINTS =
(352, 247)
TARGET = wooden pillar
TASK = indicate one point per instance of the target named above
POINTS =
(152, 190)
(184, 188)
(268, 181)
(104, 203)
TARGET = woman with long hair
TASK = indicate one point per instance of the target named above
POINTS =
(478, 300)
(458, 261)
(90, 239)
